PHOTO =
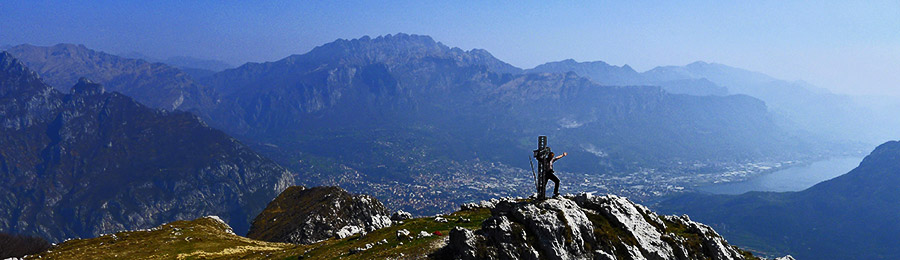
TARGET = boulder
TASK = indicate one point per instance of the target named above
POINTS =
(305, 216)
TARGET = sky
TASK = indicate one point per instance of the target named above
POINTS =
(848, 47)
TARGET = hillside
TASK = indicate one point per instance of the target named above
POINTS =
(92, 162)
(860, 206)
(577, 227)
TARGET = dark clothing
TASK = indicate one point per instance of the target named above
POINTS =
(552, 177)
(548, 174)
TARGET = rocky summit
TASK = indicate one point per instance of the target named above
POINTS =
(585, 227)
(306, 216)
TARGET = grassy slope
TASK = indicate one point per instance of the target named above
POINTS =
(206, 238)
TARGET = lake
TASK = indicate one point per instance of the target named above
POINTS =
(795, 178)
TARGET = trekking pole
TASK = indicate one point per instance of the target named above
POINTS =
(533, 175)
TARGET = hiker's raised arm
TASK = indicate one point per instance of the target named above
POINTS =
(560, 156)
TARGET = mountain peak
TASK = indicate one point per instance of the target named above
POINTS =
(12, 70)
(11, 65)
(699, 63)
(396, 49)
(386, 47)
(87, 87)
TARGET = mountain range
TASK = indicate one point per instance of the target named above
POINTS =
(407, 81)
(423, 127)
(153, 84)
(796, 105)
(92, 162)
(401, 108)
(853, 216)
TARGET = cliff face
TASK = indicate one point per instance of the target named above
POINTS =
(306, 216)
(93, 162)
(586, 227)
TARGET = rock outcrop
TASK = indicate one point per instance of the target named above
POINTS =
(305, 216)
(586, 227)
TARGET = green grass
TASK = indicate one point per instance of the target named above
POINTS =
(412, 248)
(207, 239)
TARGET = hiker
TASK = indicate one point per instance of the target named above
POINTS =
(548, 172)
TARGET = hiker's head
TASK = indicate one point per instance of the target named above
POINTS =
(552, 155)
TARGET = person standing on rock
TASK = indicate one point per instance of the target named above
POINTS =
(548, 173)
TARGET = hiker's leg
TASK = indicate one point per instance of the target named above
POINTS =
(555, 183)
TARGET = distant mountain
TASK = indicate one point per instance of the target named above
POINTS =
(598, 71)
(197, 63)
(810, 108)
(797, 104)
(153, 84)
(610, 75)
(93, 162)
(183, 62)
(853, 216)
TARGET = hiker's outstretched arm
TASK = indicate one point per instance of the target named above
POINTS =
(560, 156)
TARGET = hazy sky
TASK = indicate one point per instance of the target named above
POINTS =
(846, 46)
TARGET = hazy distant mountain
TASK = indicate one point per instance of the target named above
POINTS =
(197, 63)
(431, 101)
(153, 84)
(798, 105)
(606, 74)
(92, 162)
(196, 67)
(808, 107)
(598, 71)
(853, 216)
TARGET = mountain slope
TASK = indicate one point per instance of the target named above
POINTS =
(860, 206)
(153, 84)
(93, 162)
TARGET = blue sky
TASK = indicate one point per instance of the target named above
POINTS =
(846, 46)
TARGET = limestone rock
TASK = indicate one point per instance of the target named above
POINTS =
(306, 216)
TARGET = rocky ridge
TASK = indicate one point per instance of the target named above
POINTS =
(586, 227)
(570, 227)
